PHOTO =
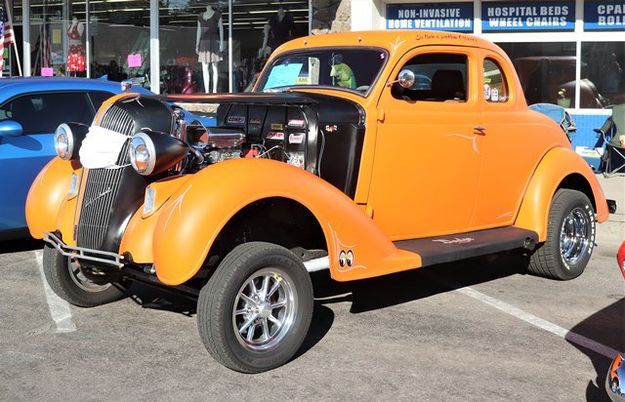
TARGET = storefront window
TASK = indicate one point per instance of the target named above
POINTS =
(546, 71)
(603, 80)
(258, 29)
(57, 31)
(193, 46)
(120, 39)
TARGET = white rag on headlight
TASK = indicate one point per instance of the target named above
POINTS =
(101, 147)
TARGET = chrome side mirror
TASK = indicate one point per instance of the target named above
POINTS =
(406, 78)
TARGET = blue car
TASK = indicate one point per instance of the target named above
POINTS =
(30, 111)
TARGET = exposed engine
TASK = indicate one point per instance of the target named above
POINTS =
(281, 133)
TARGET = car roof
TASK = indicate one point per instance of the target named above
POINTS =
(395, 41)
(10, 87)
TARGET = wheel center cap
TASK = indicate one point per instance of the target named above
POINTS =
(264, 310)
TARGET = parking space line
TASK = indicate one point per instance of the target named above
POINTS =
(59, 308)
(539, 322)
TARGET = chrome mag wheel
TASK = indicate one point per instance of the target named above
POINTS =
(264, 309)
(575, 235)
(82, 281)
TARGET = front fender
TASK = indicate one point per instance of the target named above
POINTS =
(192, 218)
(556, 165)
(46, 195)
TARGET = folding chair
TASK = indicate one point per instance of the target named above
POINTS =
(559, 115)
(613, 159)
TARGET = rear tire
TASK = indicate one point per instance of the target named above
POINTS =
(66, 280)
(571, 231)
(254, 313)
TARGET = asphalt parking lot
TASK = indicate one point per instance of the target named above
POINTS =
(476, 330)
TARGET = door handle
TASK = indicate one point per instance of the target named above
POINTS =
(480, 130)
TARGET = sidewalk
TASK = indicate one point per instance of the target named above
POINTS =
(613, 231)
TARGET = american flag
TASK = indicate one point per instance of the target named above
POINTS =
(6, 30)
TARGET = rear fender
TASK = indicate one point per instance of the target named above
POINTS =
(192, 218)
(46, 196)
(554, 168)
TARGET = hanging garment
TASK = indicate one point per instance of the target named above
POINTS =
(76, 54)
(280, 30)
(208, 48)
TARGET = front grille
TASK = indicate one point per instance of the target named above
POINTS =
(103, 185)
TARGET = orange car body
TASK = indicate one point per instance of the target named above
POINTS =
(461, 167)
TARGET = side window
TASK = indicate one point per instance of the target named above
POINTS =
(495, 85)
(42, 113)
(98, 97)
(439, 77)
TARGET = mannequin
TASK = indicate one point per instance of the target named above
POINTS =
(76, 54)
(279, 29)
(209, 45)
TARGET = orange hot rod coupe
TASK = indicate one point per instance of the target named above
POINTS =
(365, 153)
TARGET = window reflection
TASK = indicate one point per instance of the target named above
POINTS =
(602, 64)
(547, 72)
(120, 40)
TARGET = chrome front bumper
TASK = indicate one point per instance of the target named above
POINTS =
(80, 253)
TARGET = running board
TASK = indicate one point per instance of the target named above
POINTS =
(441, 249)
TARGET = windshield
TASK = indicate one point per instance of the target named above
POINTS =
(349, 69)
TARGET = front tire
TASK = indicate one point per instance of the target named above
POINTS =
(66, 280)
(255, 311)
(570, 239)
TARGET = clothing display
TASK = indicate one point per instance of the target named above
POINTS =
(280, 29)
(76, 54)
(208, 47)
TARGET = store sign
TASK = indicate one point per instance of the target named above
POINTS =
(514, 16)
(604, 15)
(456, 17)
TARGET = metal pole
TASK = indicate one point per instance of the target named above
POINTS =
(155, 56)
(230, 83)
(88, 37)
(26, 36)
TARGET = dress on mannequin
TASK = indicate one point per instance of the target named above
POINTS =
(209, 45)
(76, 53)
(281, 28)
(278, 30)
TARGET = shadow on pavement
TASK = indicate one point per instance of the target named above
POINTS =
(364, 295)
(386, 291)
(19, 245)
(160, 299)
(607, 327)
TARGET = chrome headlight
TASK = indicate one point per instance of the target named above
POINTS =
(68, 138)
(154, 153)
(142, 154)
(64, 142)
